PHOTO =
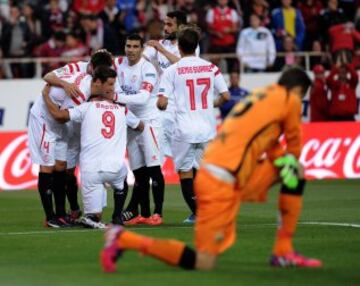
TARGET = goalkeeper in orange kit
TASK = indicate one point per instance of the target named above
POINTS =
(240, 165)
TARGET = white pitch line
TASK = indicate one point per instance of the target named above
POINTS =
(56, 231)
(331, 224)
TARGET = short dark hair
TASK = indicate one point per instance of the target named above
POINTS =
(188, 39)
(103, 73)
(294, 77)
(179, 15)
(135, 37)
(101, 58)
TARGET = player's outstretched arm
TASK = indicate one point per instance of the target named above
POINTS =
(71, 89)
(59, 115)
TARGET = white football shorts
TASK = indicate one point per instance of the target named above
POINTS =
(187, 156)
(41, 141)
(143, 148)
(93, 190)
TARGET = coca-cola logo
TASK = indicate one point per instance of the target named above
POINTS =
(330, 150)
(332, 158)
(16, 169)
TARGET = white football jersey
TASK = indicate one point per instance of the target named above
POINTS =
(103, 134)
(80, 66)
(134, 79)
(159, 59)
(153, 55)
(60, 98)
(191, 83)
(72, 68)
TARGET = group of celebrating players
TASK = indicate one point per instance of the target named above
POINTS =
(160, 102)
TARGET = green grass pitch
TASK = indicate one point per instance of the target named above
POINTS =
(33, 255)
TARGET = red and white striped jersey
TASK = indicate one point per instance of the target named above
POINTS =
(60, 98)
(72, 68)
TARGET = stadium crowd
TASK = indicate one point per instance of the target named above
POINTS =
(63, 28)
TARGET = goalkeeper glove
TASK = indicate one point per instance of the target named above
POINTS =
(289, 170)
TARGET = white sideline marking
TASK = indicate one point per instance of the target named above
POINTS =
(331, 224)
(56, 231)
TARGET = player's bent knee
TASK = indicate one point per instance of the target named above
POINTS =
(205, 261)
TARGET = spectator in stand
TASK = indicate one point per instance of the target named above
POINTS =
(53, 48)
(72, 22)
(159, 9)
(288, 21)
(321, 58)
(310, 10)
(342, 82)
(289, 58)
(15, 42)
(256, 47)
(98, 35)
(33, 23)
(129, 14)
(74, 46)
(343, 37)
(53, 19)
(330, 16)
(319, 103)
(259, 8)
(111, 13)
(223, 24)
(88, 7)
(237, 93)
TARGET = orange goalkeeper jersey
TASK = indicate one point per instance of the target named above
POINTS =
(255, 125)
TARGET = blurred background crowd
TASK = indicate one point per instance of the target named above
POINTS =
(265, 35)
(240, 35)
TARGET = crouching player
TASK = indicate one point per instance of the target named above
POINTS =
(102, 146)
(232, 171)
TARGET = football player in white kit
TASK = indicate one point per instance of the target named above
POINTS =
(138, 80)
(191, 83)
(72, 139)
(43, 131)
(103, 146)
(162, 54)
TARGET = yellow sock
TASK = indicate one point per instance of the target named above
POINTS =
(290, 209)
(169, 251)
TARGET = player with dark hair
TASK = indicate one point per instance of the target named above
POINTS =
(138, 81)
(163, 53)
(64, 174)
(103, 144)
(191, 83)
(234, 170)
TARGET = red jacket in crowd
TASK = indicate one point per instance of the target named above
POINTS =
(319, 103)
(343, 103)
(343, 36)
(88, 6)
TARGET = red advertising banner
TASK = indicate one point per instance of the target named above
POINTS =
(331, 150)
